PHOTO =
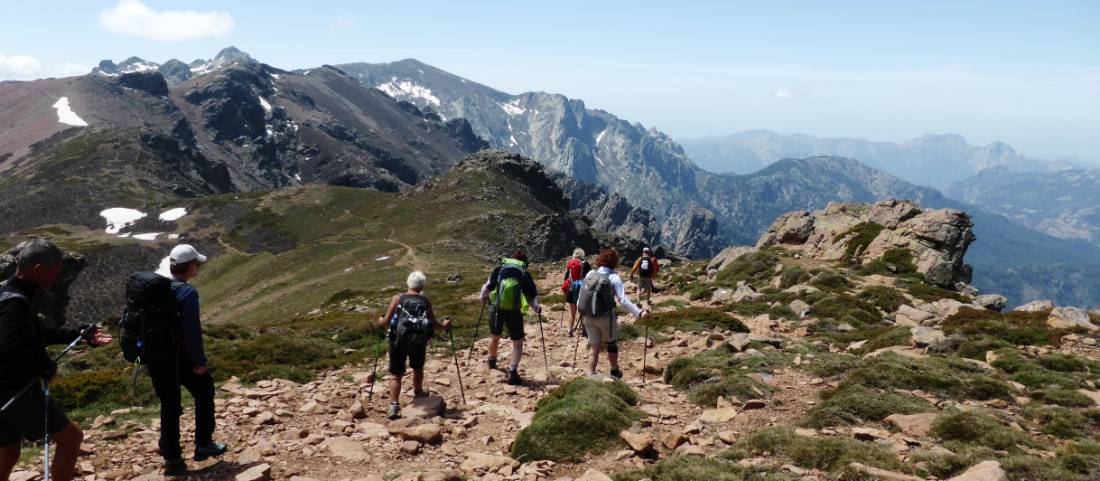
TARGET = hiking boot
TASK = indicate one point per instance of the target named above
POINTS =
(513, 377)
(492, 363)
(420, 394)
(175, 467)
(394, 412)
(209, 451)
(616, 373)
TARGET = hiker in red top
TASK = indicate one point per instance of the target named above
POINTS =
(575, 270)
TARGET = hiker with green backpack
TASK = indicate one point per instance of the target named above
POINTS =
(510, 292)
(599, 291)
(411, 322)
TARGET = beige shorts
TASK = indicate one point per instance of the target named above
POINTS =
(645, 284)
(601, 330)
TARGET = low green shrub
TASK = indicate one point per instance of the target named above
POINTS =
(579, 418)
(860, 405)
(847, 309)
(1015, 328)
(977, 429)
(861, 236)
(828, 453)
(887, 299)
(754, 268)
(831, 281)
(694, 318)
(718, 372)
(950, 377)
(678, 468)
(1081, 457)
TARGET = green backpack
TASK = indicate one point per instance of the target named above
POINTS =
(508, 296)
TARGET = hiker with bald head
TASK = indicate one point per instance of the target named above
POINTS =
(24, 361)
(411, 322)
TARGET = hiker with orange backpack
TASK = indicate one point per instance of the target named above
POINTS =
(646, 268)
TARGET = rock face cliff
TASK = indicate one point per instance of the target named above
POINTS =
(937, 238)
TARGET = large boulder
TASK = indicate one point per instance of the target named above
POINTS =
(726, 257)
(983, 471)
(993, 302)
(1036, 306)
(1070, 318)
(937, 238)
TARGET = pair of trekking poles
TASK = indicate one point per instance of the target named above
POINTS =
(84, 333)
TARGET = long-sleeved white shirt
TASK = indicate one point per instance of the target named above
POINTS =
(620, 291)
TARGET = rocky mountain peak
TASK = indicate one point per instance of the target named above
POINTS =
(936, 238)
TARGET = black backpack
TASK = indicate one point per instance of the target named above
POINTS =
(414, 327)
(645, 267)
(596, 298)
(150, 324)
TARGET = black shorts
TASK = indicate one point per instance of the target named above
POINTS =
(400, 352)
(513, 320)
(573, 294)
(25, 418)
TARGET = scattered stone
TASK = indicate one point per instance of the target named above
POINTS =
(486, 463)
(993, 302)
(426, 407)
(674, 439)
(882, 473)
(260, 472)
(930, 337)
(641, 443)
(346, 448)
(754, 404)
(913, 424)
(721, 296)
(410, 447)
(911, 316)
(983, 471)
(719, 415)
(870, 434)
(691, 450)
(798, 306)
(25, 476)
(593, 475)
(425, 433)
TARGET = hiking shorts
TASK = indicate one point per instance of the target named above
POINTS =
(645, 284)
(513, 320)
(24, 419)
(573, 294)
(601, 330)
(401, 352)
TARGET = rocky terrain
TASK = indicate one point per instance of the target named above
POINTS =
(933, 160)
(830, 350)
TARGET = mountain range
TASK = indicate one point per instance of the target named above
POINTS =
(933, 160)
(124, 135)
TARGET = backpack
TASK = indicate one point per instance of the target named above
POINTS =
(150, 324)
(508, 295)
(414, 327)
(645, 267)
(574, 274)
(596, 298)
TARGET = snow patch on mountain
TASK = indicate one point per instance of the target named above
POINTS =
(119, 218)
(265, 105)
(404, 88)
(66, 115)
(172, 215)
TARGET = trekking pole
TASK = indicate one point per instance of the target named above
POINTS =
(645, 352)
(374, 370)
(458, 368)
(578, 341)
(545, 359)
(83, 335)
(470, 354)
(562, 322)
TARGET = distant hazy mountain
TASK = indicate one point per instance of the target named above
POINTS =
(1063, 204)
(935, 160)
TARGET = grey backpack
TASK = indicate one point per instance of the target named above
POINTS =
(596, 298)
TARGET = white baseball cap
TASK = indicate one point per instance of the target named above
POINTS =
(184, 253)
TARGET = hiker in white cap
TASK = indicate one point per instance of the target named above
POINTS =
(190, 369)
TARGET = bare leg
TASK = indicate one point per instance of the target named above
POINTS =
(517, 354)
(572, 317)
(595, 359)
(494, 345)
(395, 389)
(68, 448)
(9, 457)
(418, 380)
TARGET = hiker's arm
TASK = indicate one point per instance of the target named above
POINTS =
(490, 284)
(59, 335)
(446, 324)
(637, 265)
(620, 292)
(384, 321)
(530, 291)
(191, 328)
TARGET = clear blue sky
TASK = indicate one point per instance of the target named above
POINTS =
(1024, 73)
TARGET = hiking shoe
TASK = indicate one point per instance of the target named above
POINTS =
(513, 377)
(616, 373)
(175, 467)
(420, 394)
(394, 412)
(492, 363)
(209, 451)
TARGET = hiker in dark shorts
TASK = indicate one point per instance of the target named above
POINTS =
(23, 359)
(508, 291)
(414, 305)
(575, 270)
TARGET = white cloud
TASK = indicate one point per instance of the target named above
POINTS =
(783, 94)
(342, 23)
(19, 67)
(25, 67)
(131, 17)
